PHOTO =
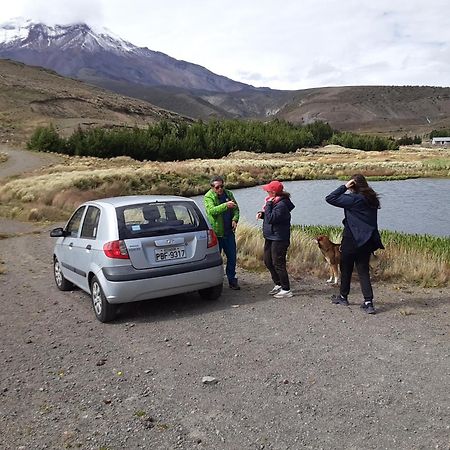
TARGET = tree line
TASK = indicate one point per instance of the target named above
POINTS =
(168, 141)
(445, 132)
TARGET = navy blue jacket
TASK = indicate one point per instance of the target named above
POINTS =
(360, 217)
(277, 220)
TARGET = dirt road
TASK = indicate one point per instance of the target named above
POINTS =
(20, 161)
(290, 374)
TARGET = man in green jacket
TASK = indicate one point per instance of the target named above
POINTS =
(223, 213)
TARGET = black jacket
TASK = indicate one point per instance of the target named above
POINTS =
(277, 220)
(361, 219)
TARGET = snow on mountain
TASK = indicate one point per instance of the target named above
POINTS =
(25, 33)
(13, 30)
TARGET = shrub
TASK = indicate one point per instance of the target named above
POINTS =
(47, 139)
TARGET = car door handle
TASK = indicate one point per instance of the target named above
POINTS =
(71, 245)
(88, 247)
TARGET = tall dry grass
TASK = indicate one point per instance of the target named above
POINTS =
(422, 260)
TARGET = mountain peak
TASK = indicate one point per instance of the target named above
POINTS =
(21, 32)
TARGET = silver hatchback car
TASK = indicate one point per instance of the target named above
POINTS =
(127, 249)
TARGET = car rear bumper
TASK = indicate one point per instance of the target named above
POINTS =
(129, 273)
(133, 289)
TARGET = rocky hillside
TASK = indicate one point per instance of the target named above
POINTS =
(32, 96)
(388, 109)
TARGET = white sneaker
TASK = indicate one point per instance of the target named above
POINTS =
(275, 290)
(283, 294)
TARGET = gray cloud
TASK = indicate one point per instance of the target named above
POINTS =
(64, 11)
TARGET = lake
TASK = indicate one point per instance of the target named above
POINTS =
(419, 205)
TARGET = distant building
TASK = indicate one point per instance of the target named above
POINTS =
(441, 141)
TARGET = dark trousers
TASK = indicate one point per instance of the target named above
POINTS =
(227, 244)
(275, 260)
(360, 259)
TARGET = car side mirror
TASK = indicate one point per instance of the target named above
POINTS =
(58, 232)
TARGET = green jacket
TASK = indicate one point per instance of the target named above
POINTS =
(215, 209)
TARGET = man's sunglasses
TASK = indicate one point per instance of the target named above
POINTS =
(220, 186)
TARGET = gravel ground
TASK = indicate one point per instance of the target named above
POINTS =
(293, 373)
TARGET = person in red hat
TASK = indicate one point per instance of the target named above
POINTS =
(276, 216)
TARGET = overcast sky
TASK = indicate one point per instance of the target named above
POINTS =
(282, 44)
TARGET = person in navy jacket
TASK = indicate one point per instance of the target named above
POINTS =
(276, 216)
(360, 237)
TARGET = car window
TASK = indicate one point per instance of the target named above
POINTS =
(155, 219)
(73, 225)
(90, 223)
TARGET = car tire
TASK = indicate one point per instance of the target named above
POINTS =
(103, 310)
(61, 283)
(212, 293)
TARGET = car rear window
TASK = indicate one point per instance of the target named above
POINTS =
(158, 219)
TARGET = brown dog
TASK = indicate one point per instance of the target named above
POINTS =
(331, 252)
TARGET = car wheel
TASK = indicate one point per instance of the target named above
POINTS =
(104, 311)
(60, 279)
(212, 293)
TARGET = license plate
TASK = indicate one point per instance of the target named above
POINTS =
(169, 253)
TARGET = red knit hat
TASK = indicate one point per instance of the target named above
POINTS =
(274, 186)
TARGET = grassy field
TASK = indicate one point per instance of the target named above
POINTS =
(52, 194)
(416, 259)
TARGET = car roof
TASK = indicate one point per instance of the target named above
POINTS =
(127, 200)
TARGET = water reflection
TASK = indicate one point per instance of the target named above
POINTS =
(413, 206)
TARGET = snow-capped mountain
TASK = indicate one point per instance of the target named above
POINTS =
(28, 34)
(79, 51)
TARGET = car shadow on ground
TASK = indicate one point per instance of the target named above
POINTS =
(191, 304)
(185, 305)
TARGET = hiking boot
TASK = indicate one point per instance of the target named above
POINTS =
(234, 285)
(339, 300)
(283, 294)
(275, 290)
(368, 307)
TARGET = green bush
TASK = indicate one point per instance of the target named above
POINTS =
(408, 140)
(47, 139)
(444, 132)
(363, 142)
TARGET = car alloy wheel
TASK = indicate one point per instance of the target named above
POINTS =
(104, 311)
(97, 298)
(61, 282)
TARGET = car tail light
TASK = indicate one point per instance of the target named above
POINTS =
(116, 250)
(212, 238)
